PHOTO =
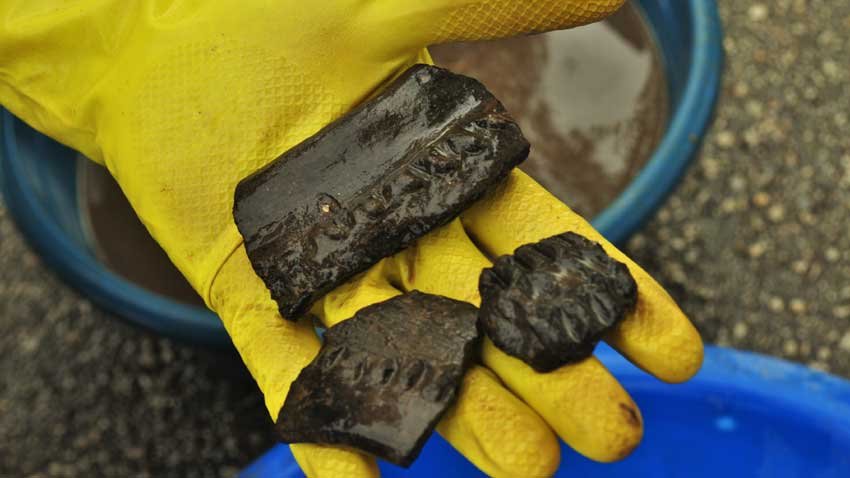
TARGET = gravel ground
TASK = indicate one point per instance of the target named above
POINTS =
(753, 245)
(82, 394)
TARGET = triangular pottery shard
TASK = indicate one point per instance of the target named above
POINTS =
(368, 185)
(384, 378)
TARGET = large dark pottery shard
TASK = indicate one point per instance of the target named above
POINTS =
(384, 378)
(371, 183)
(551, 302)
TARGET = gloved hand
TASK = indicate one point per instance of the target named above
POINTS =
(180, 99)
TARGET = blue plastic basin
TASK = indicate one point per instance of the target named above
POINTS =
(744, 415)
(37, 176)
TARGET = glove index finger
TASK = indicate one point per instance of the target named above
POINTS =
(320, 461)
(442, 21)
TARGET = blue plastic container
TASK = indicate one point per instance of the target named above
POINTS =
(38, 175)
(744, 415)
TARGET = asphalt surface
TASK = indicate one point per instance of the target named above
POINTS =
(753, 245)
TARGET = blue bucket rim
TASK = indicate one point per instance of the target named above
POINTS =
(194, 324)
(689, 123)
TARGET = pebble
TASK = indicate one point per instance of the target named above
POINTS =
(817, 365)
(728, 205)
(761, 199)
(841, 312)
(789, 347)
(808, 218)
(776, 213)
(776, 304)
(832, 254)
(740, 89)
(710, 167)
(757, 249)
(800, 267)
(831, 69)
(758, 12)
(754, 109)
(737, 183)
(725, 139)
(798, 306)
(845, 342)
(740, 330)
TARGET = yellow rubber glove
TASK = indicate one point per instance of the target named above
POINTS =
(180, 99)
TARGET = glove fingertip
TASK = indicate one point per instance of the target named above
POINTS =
(319, 461)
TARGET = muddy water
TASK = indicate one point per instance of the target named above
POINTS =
(592, 101)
